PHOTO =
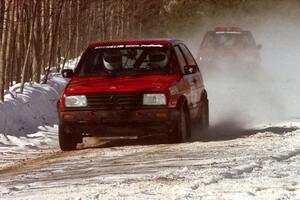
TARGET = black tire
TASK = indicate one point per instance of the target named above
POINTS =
(67, 142)
(182, 131)
(204, 115)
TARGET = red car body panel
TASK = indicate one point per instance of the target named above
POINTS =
(119, 84)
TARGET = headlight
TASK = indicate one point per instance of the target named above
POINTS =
(154, 99)
(75, 101)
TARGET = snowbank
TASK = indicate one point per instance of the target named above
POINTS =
(22, 114)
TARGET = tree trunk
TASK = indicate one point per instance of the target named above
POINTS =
(36, 65)
(20, 48)
(2, 11)
(9, 45)
(30, 41)
(103, 22)
(3, 48)
(77, 27)
(54, 39)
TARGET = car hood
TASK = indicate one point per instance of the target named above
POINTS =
(79, 85)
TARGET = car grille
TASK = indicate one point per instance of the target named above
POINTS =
(113, 100)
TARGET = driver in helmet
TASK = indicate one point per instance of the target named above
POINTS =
(158, 59)
(112, 60)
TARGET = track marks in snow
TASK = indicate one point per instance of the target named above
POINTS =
(241, 170)
(240, 167)
(287, 155)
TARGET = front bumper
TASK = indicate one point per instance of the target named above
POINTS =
(107, 123)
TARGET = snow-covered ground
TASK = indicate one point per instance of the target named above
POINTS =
(248, 164)
(28, 121)
(22, 114)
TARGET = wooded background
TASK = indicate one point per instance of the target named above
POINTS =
(36, 35)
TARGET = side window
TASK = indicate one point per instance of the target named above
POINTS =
(189, 58)
(208, 41)
(180, 57)
(251, 39)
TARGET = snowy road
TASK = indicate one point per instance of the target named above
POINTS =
(256, 164)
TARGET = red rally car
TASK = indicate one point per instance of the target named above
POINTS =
(133, 88)
(229, 46)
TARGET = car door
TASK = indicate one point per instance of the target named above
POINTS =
(190, 82)
(195, 79)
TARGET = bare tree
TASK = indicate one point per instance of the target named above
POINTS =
(5, 31)
(29, 45)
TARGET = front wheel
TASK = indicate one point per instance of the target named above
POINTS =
(67, 140)
(182, 130)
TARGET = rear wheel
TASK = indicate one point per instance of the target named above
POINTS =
(204, 115)
(67, 138)
(182, 131)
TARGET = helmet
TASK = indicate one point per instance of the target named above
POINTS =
(112, 60)
(158, 59)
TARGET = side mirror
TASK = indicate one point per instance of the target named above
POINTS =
(259, 46)
(190, 69)
(67, 73)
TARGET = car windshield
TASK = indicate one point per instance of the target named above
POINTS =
(226, 40)
(125, 60)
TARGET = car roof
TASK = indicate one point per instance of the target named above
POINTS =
(164, 41)
(229, 30)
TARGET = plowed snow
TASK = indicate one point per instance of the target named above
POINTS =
(260, 164)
